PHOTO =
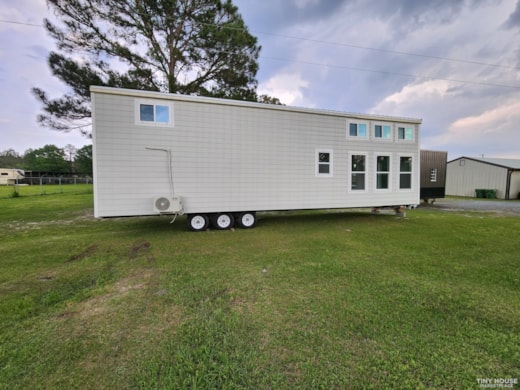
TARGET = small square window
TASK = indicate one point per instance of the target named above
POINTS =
(152, 112)
(146, 113)
(405, 133)
(382, 131)
(324, 163)
(357, 130)
(162, 114)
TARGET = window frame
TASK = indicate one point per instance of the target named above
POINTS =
(351, 172)
(357, 123)
(318, 163)
(404, 126)
(389, 172)
(155, 103)
(382, 124)
(411, 173)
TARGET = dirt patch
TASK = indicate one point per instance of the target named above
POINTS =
(136, 249)
(86, 253)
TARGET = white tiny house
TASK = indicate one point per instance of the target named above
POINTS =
(223, 160)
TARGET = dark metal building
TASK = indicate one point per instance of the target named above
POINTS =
(433, 174)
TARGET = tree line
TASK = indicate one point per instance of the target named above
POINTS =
(50, 160)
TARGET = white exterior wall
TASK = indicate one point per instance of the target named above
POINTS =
(463, 180)
(236, 156)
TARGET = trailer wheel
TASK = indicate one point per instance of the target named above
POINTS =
(223, 221)
(198, 222)
(247, 220)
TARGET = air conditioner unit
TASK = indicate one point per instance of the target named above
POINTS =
(165, 204)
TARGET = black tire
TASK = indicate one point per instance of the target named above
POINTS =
(198, 222)
(247, 220)
(223, 221)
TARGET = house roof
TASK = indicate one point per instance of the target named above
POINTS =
(501, 162)
(243, 103)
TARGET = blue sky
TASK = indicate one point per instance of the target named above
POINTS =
(455, 64)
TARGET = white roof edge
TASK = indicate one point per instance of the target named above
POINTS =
(243, 103)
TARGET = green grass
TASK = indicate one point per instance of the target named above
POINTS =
(45, 189)
(306, 300)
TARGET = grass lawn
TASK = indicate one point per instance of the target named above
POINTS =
(342, 299)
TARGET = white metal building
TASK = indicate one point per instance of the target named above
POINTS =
(9, 176)
(213, 156)
(467, 174)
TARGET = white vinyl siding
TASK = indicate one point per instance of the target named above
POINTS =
(230, 156)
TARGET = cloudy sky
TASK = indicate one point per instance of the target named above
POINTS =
(453, 63)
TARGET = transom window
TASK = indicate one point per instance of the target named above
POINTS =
(405, 173)
(150, 112)
(324, 163)
(358, 171)
(405, 133)
(382, 131)
(357, 129)
(383, 172)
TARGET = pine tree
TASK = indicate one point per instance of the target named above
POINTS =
(197, 47)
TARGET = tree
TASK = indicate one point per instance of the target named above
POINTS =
(198, 47)
(9, 158)
(83, 160)
(70, 152)
(49, 159)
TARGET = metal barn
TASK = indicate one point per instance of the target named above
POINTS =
(466, 175)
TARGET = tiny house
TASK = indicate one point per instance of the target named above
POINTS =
(433, 174)
(220, 161)
(9, 176)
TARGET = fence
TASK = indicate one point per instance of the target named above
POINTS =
(46, 185)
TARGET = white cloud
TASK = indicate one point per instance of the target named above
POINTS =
(411, 96)
(486, 131)
(288, 87)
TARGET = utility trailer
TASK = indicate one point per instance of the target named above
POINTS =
(220, 161)
(433, 175)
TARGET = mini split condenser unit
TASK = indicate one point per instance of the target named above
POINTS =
(166, 204)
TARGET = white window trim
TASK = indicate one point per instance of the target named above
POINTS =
(154, 102)
(381, 139)
(357, 137)
(317, 163)
(414, 131)
(412, 173)
(350, 172)
(390, 172)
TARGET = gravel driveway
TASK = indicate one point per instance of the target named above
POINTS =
(511, 207)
